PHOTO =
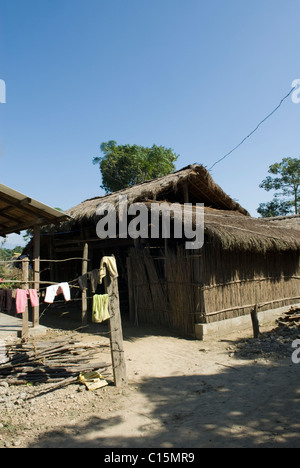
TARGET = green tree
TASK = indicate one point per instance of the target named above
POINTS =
(285, 180)
(274, 208)
(123, 166)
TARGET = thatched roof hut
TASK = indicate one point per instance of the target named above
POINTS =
(194, 182)
(225, 219)
(244, 261)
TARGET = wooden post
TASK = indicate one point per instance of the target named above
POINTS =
(36, 277)
(116, 334)
(25, 285)
(84, 317)
(186, 193)
(51, 257)
(255, 322)
(199, 293)
(130, 292)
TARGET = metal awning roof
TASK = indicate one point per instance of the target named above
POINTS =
(19, 212)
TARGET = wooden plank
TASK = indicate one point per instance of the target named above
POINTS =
(116, 334)
(85, 256)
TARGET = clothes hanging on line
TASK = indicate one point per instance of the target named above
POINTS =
(110, 264)
(82, 280)
(5, 300)
(21, 299)
(55, 290)
(91, 276)
(100, 308)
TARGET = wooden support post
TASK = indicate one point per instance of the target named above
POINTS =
(130, 292)
(84, 317)
(25, 278)
(255, 322)
(186, 193)
(51, 256)
(116, 334)
(36, 277)
(199, 293)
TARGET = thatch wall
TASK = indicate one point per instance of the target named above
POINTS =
(180, 288)
(163, 289)
(244, 262)
(235, 281)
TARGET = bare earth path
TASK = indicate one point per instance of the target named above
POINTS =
(181, 394)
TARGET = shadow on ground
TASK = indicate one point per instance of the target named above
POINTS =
(253, 405)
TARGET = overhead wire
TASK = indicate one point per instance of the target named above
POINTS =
(253, 131)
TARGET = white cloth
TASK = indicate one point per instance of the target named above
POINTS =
(55, 290)
(109, 263)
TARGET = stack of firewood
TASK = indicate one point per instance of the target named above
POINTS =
(55, 362)
(292, 317)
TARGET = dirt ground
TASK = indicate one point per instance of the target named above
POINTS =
(230, 392)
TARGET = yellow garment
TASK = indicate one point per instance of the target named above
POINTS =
(100, 308)
(92, 380)
(109, 263)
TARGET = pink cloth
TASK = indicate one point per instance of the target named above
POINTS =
(21, 299)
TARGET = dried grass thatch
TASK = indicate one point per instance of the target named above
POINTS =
(234, 231)
(226, 222)
(196, 178)
(286, 222)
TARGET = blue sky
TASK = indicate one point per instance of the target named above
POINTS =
(193, 75)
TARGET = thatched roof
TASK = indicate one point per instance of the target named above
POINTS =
(226, 222)
(234, 231)
(200, 185)
(287, 222)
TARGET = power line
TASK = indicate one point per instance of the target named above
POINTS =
(256, 128)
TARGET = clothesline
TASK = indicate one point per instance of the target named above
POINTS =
(66, 260)
(32, 281)
(45, 260)
(53, 289)
(82, 279)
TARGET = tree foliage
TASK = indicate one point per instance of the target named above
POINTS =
(124, 166)
(285, 180)
(7, 254)
(274, 208)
